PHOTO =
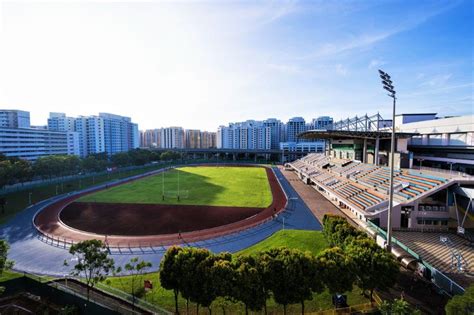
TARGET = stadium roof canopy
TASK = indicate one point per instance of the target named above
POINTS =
(347, 134)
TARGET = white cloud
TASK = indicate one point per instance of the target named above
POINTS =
(366, 38)
(341, 70)
(376, 63)
(438, 80)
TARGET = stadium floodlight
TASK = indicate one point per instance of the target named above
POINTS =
(388, 85)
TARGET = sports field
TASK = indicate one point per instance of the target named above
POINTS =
(210, 186)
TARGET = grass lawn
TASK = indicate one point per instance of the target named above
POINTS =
(213, 186)
(312, 241)
(8, 275)
(17, 201)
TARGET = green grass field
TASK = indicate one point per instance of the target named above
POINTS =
(312, 241)
(17, 201)
(212, 186)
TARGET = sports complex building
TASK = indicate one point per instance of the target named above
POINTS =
(141, 215)
(433, 214)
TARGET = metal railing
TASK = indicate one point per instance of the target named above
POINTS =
(440, 170)
(353, 309)
(117, 293)
(158, 246)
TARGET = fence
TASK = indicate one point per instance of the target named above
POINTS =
(128, 297)
(159, 246)
(366, 308)
(64, 294)
(69, 178)
(440, 170)
(437, 277)
(55, 294)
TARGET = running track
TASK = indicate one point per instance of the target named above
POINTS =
(34, 255)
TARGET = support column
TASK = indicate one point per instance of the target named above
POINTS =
(376, 151)
(255, 157)
(234, 157)
(364, 151)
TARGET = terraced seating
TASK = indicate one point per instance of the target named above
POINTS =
(341, 169)
(349, 168)
(443, 180)
(364, 185)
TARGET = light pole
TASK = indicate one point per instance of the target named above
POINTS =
(450, 167)
(421, 164)
(387, 85)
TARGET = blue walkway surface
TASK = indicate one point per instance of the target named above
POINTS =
(31, 253)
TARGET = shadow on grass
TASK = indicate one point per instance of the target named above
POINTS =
(178, 186)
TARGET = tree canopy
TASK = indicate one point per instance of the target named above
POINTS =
(375, 268)
(93, 263)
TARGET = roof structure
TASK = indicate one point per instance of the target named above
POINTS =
(347, 134)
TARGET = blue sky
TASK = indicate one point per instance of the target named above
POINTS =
(202, 64)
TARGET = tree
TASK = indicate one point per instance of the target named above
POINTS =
(93, 263)
(188, 260)
(134, 269)
(94, 164)
(398, 307)
(170, 273)
(461, 304)
(71, 164)
(336, 270)
(5, 264)
(5, 173)
(22, 171)
(374, 267)
(139, 156)
(338, 231)
(169, 155)
(293, 276)
(249, 283)
(120, 159)
(214, 278)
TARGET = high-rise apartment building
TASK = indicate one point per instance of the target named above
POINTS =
(150, 138)
(19, 139)
(295, 126)
(321, 123)
(172, 138)
(97, 134)
(276, 131)
(208, 140)
(120, 134)
(12, 118)
(59, 122)
(224, 138)
(192, 139)
(250, 134)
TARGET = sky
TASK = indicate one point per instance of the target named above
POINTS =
(201, 64)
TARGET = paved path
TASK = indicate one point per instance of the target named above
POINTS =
(317, 203)
(31, 254)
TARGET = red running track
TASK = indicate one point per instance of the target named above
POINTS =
(48, 222)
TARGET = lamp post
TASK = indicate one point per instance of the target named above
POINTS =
(421, 164)
(387, 85)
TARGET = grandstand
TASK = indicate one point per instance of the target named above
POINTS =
(430, 207)
(422, 199)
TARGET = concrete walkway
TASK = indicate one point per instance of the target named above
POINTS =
(31, 254)
(317, 203)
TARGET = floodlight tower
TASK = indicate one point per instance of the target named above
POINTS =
(387, 85)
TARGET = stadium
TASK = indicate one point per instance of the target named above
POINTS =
(166, 207)
(431, 217)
